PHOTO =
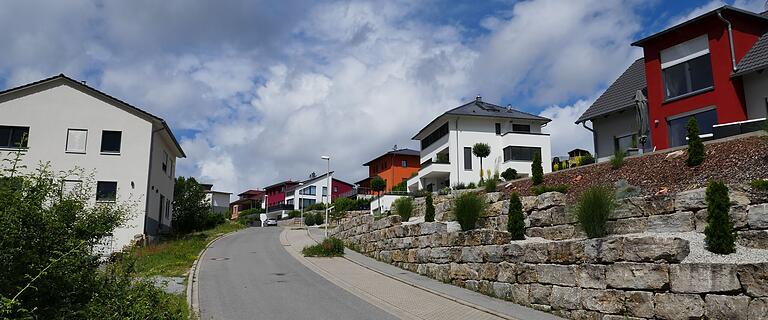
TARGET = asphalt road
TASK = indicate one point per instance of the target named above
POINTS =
(249, 275)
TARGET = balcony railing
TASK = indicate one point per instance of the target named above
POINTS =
(279, 207)
(429, 162)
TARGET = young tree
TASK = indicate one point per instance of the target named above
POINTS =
(719, 230)
(378, 185)
(509, 174)
(481, 150)
(515, 218)
(429, 214)
(537, 171)
(190, 208)
(695, 146)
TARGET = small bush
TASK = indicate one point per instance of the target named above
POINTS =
(331, 247)
(617, 160)
(593, 209)
(429, 214)
(471, 185)
(490, 185)
(562, 188)
(316, 206)
(294, 214)
(467, 208)
(404, 207)
(251, 211)
(537, 171)
(444, 191)
(695, 146)
(459, 186)
(509, 174)
(587, 159)
(515, 218)
(719, 230)
(759, 185)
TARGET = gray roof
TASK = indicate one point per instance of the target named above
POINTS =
(755, 59)
(620, 95)
(480, 108)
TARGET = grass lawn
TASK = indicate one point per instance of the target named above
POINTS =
(175, 256)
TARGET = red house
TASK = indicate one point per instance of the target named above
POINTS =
(709, 68)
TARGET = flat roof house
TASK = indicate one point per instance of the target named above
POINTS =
(446, 144)
(248, 199)
(219, 200)
(395, 167)
(315, 190)
(132, 153)
(709, 67)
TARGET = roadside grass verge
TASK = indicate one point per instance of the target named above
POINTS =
(173, 257)
(331, 247)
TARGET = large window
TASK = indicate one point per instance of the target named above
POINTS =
(467, 158)
(305, 203)
(624, 143)
(686, 68)
(106, 191)
(404, 163)
(76, 140)
(434, 136)
(13, 137)
(498, 128)
(309, 191)
(521, 127)
(677, 126)
(520, 153)
(110, 141)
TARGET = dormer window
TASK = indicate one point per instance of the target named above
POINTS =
(686, 68)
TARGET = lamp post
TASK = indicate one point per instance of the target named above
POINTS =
(301, 207)
(266, 207)
(328, 192)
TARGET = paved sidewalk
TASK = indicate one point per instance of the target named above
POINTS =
(451, 292)
(405, 294)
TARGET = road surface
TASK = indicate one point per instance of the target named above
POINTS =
(249, 275)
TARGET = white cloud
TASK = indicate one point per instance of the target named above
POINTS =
(566, 135)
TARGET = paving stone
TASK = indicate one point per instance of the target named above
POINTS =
(727, 307)
(703, 278)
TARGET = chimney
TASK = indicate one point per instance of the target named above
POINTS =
(509, 107)
(478, 98)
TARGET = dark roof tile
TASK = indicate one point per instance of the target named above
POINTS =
(755, 59)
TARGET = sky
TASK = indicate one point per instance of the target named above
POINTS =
(257, 91)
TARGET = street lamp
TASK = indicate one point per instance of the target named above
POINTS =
(301, 207)
(328, 191)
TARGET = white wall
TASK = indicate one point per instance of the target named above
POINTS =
(51, 112)
(386, 203)
(755, 93)
(318, 196)
(161, 184)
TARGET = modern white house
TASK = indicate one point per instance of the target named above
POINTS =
(315, 190)
(219, 200)
(130, 153)
(514, 138)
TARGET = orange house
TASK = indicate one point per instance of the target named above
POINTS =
(394, 167)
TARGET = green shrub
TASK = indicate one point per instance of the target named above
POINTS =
(444, 191)
(331, 247)
(471, 185)
(403, 207)
(294, 214)
(562, 188)
(314, 207)
(509, 174)
(490, 185)
(429, 214)
(593, 209)
(400, 187)
(251, 211)
(719, 230)
(190, 208)
(537, 170)
(459, 186)
(759, 185)
(515, 218)
(617, 160)
(587, 159)
(467, 208)
(695, 146)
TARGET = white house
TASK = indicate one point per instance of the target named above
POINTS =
(315, 190)
(446, 144)
(131, 153)
(219, 200)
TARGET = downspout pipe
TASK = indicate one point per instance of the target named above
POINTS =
(730, 39)
(584, 124)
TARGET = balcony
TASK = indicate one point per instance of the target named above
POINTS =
(279, 207)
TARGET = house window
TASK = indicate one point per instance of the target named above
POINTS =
(325, 191)
(520, 153)
(677, 126)
(404, 163)
(498, 128)
(434, 136)
(165, 161)
(106, 191)
(110, 141)
(305, 203)
(686, 67)
(467, 158)
(309, 191)
(68, 187)
(167, 209)
(624, 143)
(13, 137)
(521, 127)
(76, 140)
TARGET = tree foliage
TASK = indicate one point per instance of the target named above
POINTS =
(429, 213)
(509, 174)
(695, 146)
(378, 184)
(515, 218)
(537, 171)
(481, 150)
(719, 230)
(191, 211)
(468, 207)
(403, 207)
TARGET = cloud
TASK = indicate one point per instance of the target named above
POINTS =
(566, 135)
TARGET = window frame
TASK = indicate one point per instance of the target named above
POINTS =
(404, 163)
(467, 159)
(85, 144)
(507, 154)
(633, 143)
(10, 143)
(97, 192)
(111, 152)
(497, 128)
(682, 55)
(515, 126)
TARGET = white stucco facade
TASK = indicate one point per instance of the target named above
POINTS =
(219, 201)
(465, 132)
(143, 169)
(756, 94)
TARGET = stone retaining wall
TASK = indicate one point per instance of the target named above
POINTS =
(617, 277)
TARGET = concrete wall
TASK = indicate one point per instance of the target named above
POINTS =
(55, 108)
(607, 128)
(756, 92)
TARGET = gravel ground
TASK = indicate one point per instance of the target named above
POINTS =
(699, 253)
(734, 162)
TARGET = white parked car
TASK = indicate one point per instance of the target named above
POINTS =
(271, 222)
